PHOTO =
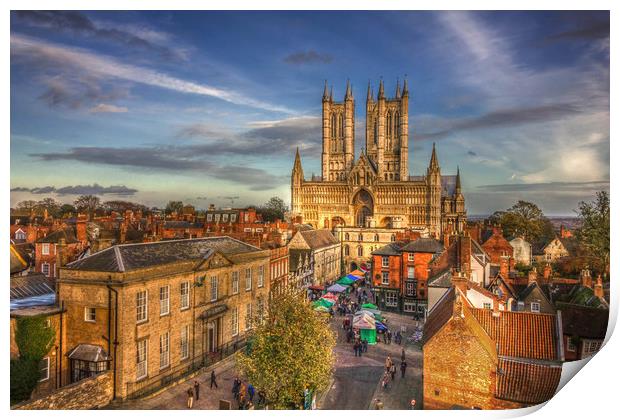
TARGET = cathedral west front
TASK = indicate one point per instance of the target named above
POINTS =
(375, 190)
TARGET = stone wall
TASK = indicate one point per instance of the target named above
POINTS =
(89, 393)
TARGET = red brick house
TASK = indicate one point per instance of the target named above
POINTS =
(400, 273)
(497, 247)
(486, 359)
(58, 249)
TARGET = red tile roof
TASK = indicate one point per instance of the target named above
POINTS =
(526, 382)
(521, 334)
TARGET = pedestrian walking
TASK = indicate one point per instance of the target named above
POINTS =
(261, 398)
(190, 397)
(385, 380)
(197, 390)
(365, 345)
(388, 363)
(393, 371)
(213, 382)
(403, 368)
(389, 336)
(412, 404)
(402, 355)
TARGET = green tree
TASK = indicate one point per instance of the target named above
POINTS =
(67, 210)
(26, 206)
(88, 203)
(524, 219)
(593, 234)
(34, 339)
(174, 207)
(273, 209)
(52, 206)
(291, 350)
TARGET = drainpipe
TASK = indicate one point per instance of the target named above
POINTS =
(62, 311)
(110, 289)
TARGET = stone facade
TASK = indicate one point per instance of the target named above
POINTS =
(320, 251)
(171, 314)
(376, 190)
(522, 251)
(89, 393)
(358, 243)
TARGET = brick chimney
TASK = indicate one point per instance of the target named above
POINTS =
(598, 288)
(464, 249)
(123, 232)
(547, 271)
(586, 278)
(61, 257)
(459, 281)
(80, 229)
(504, 266)
(532, 276)
(565, 233)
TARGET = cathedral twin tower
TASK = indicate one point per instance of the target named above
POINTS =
(375, 190)
(387, 133)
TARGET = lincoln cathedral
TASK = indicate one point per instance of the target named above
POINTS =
(375, 190)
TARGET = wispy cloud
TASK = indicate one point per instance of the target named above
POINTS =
(107, 108)
(94, 189)
(308, 57)
(171, 159)
(581, 187)
(504, 118)
(589, 31)
(78, 23)
(42, 52)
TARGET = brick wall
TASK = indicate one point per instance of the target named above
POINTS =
(89, 393)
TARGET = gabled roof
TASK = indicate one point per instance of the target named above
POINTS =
(68, 234)
(583, 295)
(584, 321)
(17, 261)
(317, 239)
(439, 315)
(121, 258)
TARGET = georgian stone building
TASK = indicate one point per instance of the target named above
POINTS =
(152, 311)
(376, 189)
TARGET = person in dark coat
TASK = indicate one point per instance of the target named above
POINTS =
(197, 390)
(235, 388)
(402, 355)
(213, 382)
(403, 368)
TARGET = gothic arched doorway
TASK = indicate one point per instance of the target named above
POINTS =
(363, 206)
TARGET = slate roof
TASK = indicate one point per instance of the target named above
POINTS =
(17, 261)
(68, 234)
(448, 185)
(127, 257)
(388, 250)
(521, 334)
(317, 239)
(428, 245)
(89, 352)
(180, 224)
(570, 244)
(584, 321)
(439, 315)
(31, 285)
(442, 279)
(583, 295)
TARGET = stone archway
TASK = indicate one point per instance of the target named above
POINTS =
(363, 205)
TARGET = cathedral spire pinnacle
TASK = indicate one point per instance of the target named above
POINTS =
(325, 92)
(457, 188)
(381, 91)
(397, 89)
(331, 94)
(434, 162)
(369, 94)
(405, 87)
(348, 94)
(297, 168)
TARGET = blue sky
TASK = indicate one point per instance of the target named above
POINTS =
(201, 106)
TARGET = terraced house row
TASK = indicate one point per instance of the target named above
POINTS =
(152, 312)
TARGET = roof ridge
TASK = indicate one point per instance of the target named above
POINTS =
(119, 258)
